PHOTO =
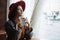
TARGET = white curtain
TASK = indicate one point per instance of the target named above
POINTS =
(45, 27)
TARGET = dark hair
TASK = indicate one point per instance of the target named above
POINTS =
(12, 13)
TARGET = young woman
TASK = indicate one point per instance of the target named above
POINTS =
(14, 27)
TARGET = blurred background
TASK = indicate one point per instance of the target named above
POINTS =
(44, 16)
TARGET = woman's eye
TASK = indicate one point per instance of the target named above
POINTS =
(18, 9)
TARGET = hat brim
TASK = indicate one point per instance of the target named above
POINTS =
(22, 4)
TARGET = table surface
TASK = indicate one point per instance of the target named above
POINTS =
(2, 32)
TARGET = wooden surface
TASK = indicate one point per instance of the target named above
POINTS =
(34, 39)
(3, 8)
(2, 35)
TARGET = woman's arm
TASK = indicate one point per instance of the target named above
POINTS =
(9, 27)
(29, 26)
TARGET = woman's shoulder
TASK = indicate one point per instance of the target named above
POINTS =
(9, 22)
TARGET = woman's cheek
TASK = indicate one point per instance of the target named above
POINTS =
(19, 11)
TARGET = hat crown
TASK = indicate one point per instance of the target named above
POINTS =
(21, 3)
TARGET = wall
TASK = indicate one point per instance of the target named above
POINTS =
(3, 7)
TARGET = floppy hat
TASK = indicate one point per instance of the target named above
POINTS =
(21, 3)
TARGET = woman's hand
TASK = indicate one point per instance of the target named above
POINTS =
(29, 26)
(26, 20)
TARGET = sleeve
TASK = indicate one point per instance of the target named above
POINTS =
(9, 28)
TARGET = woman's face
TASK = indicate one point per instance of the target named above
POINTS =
(19, 10)
(19, 13)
